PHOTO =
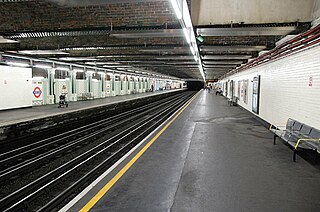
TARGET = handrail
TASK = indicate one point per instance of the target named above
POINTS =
(305, 139)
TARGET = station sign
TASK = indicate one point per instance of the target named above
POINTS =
(37, 92)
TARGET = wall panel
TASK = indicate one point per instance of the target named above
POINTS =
(290, 88)
(15, 87)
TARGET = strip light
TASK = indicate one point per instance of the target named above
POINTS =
(184, 17)
(91, 72)
(176, 8)
(63, 68)
(10, 60)
(18, 64)
(187, 35)
(42, 66)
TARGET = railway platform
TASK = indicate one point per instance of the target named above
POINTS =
(17, 122)
(209, 157)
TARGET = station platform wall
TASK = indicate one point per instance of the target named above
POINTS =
(289, 88)
(29, 89)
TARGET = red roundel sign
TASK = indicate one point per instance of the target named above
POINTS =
(37, 92)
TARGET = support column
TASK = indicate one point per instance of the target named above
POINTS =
(73, 91)
(89, 82)
(121, 86)
(112, 79)
(51, 96)
(127, 85)
(103, 84)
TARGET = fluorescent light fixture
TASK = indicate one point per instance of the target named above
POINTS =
(42, 52)
(101, 72)
(63, 68)
(187, 35)
(176, 8)
(4, 40)
(102, 63)
(77, 59)
(117, 66)
(18, 64)
(42, 66)
(38, 78)
(91, 72)
(187, 26)
(84, 48)
(192, 50)
(78, 70)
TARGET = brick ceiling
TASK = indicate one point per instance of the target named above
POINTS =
(141, 35)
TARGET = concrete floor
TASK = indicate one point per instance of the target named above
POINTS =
(214, 158)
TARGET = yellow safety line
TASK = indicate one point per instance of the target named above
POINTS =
(109, 185)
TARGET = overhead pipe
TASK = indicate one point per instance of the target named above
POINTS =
(302, 41)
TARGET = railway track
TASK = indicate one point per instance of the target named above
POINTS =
(15, 161)
(66, 163)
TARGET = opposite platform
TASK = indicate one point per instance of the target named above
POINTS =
(211, 158)
(18, 122)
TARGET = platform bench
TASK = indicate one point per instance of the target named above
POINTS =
(85, 96)
(299, 136)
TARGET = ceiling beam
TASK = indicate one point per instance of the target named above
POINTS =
(159, 33)
(220, 66)
(232, 48)
(226, 57)
(211, 62)
(247, 31)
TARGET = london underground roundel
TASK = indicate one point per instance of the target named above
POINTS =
(37, 92)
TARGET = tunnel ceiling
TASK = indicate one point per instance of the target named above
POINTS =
(142, 35)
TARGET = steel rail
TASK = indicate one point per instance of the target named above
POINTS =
(52, 175)
(71, 134)
(42, 158)
(92, 125)
(59, 198)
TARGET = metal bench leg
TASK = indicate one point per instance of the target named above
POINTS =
(294, 155)
(315, 156)
(274, 139)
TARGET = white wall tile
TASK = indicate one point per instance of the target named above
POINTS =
(284, 89)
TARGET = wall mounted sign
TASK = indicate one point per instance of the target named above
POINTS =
(310, 81)
(256, 94)
(37, 92)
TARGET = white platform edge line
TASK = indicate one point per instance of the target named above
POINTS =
(94, 183)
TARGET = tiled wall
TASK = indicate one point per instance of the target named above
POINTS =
(289, 88)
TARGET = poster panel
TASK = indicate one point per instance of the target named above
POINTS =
(256, 94)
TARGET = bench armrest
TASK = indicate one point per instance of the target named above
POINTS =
(277, 128)
(305, 139)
